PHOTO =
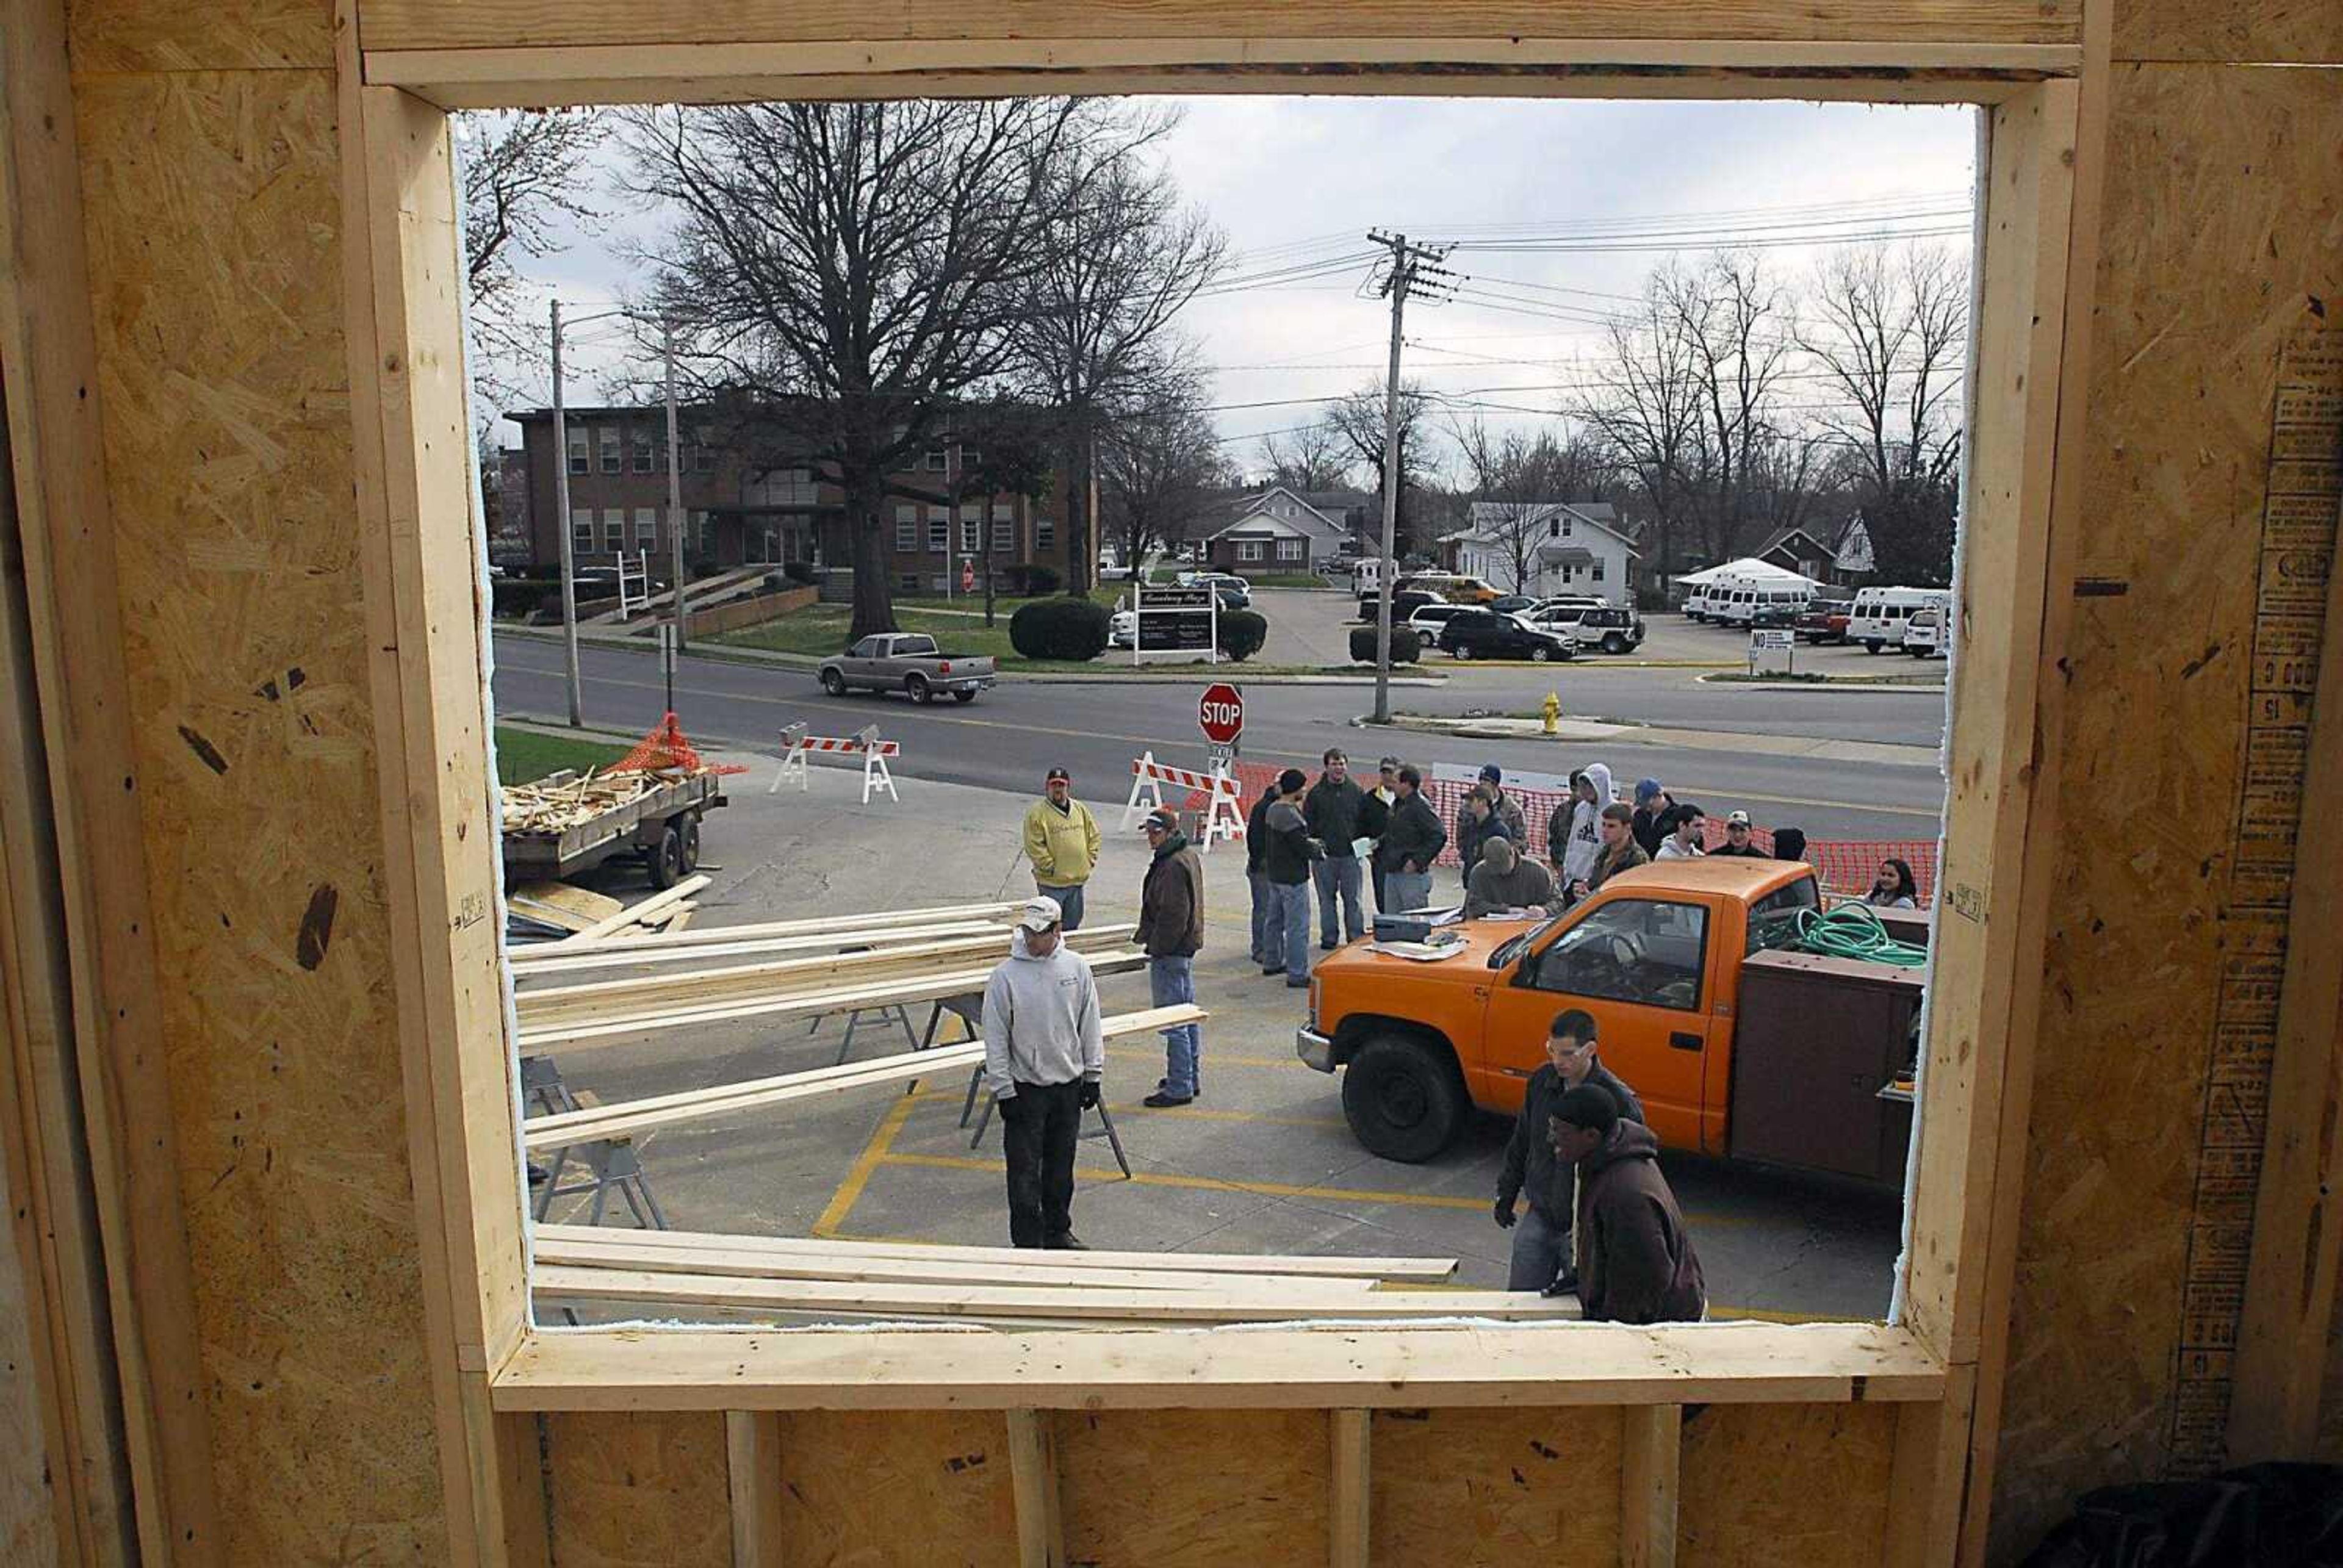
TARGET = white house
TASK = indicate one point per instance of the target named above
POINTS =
(1276, 531)
(1568, 548)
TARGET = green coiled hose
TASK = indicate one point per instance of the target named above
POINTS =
(1854, 932)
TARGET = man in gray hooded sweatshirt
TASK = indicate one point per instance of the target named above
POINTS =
(1044, 1054)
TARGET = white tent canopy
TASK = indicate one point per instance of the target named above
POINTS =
(1747, 569)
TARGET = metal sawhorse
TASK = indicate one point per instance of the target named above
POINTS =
(610, 1162)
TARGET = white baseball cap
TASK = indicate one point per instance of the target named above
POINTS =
(1039, 914)
(1737, 819)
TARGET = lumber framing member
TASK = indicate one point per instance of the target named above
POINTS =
(2217, 203)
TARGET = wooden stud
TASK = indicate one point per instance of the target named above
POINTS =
(752, 1447)
(49, 346)
(1415, 1271)
(2290, 1305)
(1930, 1473)
(1349, 1507)
(1033, 1477)
(1651, 1455)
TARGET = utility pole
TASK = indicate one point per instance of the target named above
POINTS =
(1410, 266)
(566, 533)
(674, 491)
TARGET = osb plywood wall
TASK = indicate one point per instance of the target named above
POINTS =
(2222, 237)
(210, 188)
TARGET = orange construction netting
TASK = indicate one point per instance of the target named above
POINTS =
(667, 750)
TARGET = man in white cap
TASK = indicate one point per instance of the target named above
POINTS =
(1738, 839)
(1044, 1054)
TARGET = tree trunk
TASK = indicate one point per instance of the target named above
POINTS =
(1079, 521)
(874, 600)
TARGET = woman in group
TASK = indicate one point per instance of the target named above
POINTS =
(1894, 888)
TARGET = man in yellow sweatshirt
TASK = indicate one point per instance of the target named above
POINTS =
(1061, 839)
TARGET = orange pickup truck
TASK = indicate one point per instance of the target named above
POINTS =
(1663, 957)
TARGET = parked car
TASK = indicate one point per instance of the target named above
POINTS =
(1235, 592)
(1484, 634)
(907, 662)
(1924, 634)
(1457, 588)
(1824, 621)
(1427, 619)
(1514, 604)
(1615, 628)
(1880, 615)
(1406, 602)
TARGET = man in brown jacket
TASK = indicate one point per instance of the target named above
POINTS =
(1635, 1261)
(1171, 930)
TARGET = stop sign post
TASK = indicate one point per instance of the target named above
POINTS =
(1220, 714)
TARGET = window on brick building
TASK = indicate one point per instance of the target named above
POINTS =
(907, 530)
(1045, 533)
(939, 529)
(611, 463)
(642, 457)
(579, 459)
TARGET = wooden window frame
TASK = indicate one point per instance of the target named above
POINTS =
(2035, 240)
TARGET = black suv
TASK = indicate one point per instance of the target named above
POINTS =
(1485, 634)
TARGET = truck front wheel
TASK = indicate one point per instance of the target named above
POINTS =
(1403, 1100)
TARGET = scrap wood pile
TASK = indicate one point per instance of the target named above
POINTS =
(669, 1273)
(579, 915)
(561, 801)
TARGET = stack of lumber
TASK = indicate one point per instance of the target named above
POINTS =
(815, 973)
(831, 933)
(565, 800)
(667, 1269)
(582, 915)
(629, 1117)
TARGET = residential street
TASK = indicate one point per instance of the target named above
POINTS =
(1008, 737)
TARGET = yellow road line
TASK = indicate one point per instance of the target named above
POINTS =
(858, 1175)
(1765, 1315)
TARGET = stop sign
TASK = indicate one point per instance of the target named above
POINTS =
(1220, 713)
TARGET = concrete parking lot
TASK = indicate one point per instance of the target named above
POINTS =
(1262, 1162)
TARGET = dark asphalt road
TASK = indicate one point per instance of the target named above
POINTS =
(1008, 737)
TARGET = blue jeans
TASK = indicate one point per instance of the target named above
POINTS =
(1268, 935)
(1406, 889)
(1541, 1250)
(1172, 980)
(1070, 901)
(1338, 875)
(1294, 914)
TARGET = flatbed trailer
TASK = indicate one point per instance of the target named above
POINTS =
(661, 826)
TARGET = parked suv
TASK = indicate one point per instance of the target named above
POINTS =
(1824, 620)
(1613, 629)
(1485, 634)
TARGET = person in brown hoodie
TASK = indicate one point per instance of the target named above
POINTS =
(1636, 1260)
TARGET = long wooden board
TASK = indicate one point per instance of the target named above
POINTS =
(1232, 1303)
(690, 1105)
(544, 959)
(1424, 1270)
(996, 914)
(602, 1248)
(962, 982)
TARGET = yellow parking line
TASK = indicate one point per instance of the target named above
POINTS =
(1208, 1183)
(858, 1175)
(1211, 1058)
(1186, 1112)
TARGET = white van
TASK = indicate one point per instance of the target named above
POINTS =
(1880, 615)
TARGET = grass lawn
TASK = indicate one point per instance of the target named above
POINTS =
(523, 754)
(1003, 606)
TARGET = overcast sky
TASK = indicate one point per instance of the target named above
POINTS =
(1601, 187)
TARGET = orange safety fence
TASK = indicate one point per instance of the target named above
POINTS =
(667, 750)
(1846, 867)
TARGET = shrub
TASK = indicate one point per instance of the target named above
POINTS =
(517, 596)
(1040, 581)
(1074, 629)
(798, 571)
(1406, 644)
(1242, 631)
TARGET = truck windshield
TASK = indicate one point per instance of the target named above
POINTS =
(1510, 948)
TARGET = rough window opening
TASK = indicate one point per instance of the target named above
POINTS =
(1577, 307)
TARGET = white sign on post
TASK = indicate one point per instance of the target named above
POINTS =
(1772, 650)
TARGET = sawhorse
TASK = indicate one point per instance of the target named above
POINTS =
(1106, 1121)
(610, 1161)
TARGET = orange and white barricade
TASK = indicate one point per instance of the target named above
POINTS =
(1223, 807)
(867, 745)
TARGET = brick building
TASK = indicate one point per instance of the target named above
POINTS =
(737, 513)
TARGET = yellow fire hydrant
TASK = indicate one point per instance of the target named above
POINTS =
(1553, 711)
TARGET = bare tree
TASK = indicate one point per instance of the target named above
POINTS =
(1157, 468)
(1733, 322)
(1117, 259)
(1642, 406)
(1313, 458)
(524, 172)
(850, 271)
(1888, 333)
(1358, 419)
(1513, 481)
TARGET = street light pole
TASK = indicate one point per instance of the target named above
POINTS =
(1391, 486)
(567, 532)
(674, 490)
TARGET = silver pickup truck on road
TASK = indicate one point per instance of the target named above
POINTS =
(907, 662)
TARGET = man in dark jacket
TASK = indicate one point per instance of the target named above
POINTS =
(1541, 1259)
(1636, 1260)
(1171, 930)
(1268, 936)
(1412, 840)
(1333, 809)
(1375, 816)
(1651, 804)
(1286, 853)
